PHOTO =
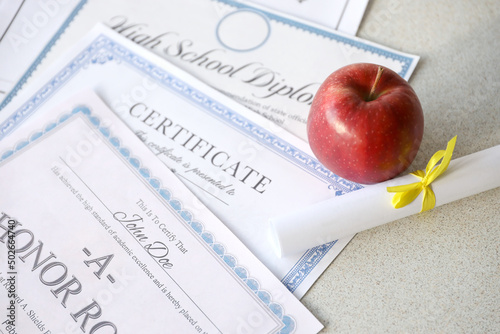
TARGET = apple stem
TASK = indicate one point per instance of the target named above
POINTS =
(377, 79)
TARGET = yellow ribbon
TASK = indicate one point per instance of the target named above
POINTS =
(405, 194)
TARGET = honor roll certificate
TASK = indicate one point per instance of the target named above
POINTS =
(108, 240)
(243, 167)
(268, 61)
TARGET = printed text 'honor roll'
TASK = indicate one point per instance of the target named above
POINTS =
(371, 206)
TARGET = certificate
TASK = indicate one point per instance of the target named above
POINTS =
(102, 238)
(268, 61)
(243, 167)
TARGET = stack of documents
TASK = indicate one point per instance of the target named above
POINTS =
(141, 187)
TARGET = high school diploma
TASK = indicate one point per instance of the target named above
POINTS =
(271, 62)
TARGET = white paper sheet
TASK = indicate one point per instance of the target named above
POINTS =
(242, 166)
(108, 240)
(327, 12)
(270, 62)
(8, 12)
(352, 16)
(342, 15)
(28, 29)
(370, 207)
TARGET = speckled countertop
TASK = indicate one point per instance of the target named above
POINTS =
(436, 272)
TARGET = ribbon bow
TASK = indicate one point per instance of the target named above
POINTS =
(405, 194)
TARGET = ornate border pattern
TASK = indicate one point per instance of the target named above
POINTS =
(306, 263)
(405, 61)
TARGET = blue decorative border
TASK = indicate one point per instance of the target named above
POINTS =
(42, 54)
(231, 261)
(309, 259)
(103, 50)
(405, 61)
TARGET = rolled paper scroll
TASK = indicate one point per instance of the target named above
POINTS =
(371, 206)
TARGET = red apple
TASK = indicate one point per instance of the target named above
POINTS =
(365, 123)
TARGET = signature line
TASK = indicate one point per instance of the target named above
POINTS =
(201, 188)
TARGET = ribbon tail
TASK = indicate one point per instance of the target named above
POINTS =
(428, 200)
(446, 156)
(401, 199)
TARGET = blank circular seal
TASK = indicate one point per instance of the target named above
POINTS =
(243, 30)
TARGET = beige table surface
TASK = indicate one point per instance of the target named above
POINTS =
(437, 272)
